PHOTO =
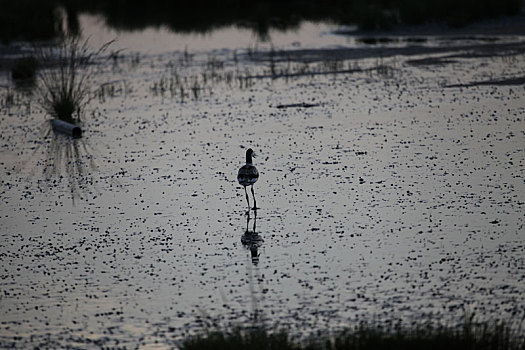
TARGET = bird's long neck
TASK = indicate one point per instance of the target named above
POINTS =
(248, 158)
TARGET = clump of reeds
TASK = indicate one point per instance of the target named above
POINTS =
(471, 335)
(254, 339)
(65, 83)
(24, 68)
(479, 336)
(8, 98)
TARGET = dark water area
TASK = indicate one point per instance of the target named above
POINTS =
(29, 20)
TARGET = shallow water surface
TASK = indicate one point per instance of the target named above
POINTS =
(386, 191)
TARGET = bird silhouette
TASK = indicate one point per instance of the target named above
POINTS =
(247, 176)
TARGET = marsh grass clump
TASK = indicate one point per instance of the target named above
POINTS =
(15, 98)
(8, 99)
(24, 69)
(65, 83)
(253, 339)
(471, 335)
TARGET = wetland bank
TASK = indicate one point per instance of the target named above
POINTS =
(391, 185)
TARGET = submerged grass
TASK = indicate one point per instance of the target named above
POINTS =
(185, 78)
(471, 335)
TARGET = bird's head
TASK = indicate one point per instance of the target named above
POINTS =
(249, 155)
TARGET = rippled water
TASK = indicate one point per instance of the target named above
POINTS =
(393, 195)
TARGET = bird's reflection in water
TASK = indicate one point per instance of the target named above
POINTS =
(251, 239)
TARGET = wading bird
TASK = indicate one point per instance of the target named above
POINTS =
(247, 176)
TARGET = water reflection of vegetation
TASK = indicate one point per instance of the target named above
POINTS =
(70, 159)
(30, 20)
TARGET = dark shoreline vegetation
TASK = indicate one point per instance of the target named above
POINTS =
(41, 20)
(470, 335)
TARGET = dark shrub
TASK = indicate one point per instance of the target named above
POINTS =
(24, 68)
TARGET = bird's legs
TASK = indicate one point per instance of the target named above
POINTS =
(254, 221)
(254, 203)
(247, 200)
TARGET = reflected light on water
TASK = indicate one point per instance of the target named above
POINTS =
(160, 39)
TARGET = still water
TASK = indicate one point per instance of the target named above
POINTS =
(391, 188)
